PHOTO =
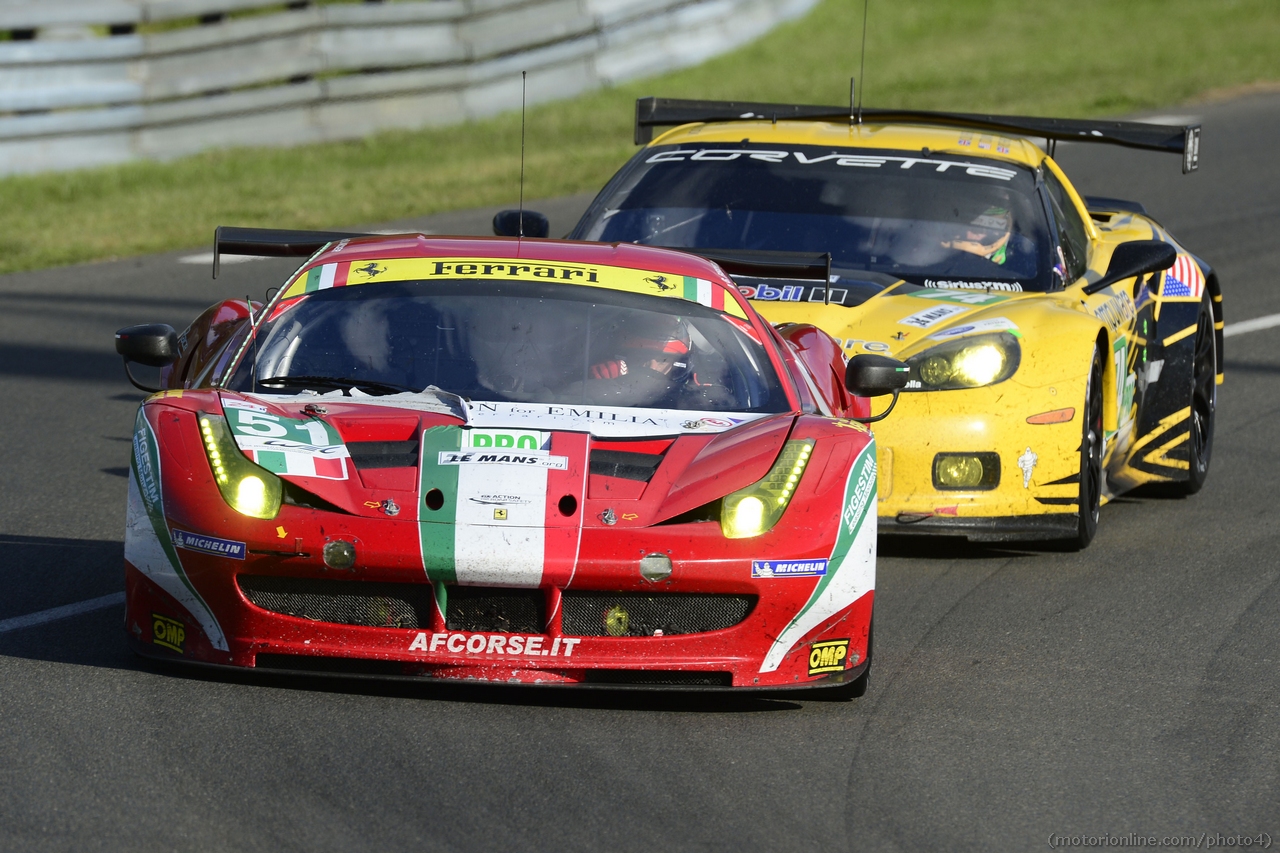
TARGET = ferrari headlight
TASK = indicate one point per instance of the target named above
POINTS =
(754, 510)
(965, 363)
(247, 488)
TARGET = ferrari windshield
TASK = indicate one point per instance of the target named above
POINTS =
(932, 219)
(513, 341)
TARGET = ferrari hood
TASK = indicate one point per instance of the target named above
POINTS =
(359, 452)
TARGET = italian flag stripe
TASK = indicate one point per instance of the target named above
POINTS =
(300, 464)
(704, 293)
(564, 533)
(436, 527)
(327, 276)
(500, 525)
(851, 570)
(313, 280)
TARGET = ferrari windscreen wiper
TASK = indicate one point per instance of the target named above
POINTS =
(338, 382)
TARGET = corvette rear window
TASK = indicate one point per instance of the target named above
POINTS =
(513, 341)
(915, 215)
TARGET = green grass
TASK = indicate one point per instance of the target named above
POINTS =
(1082, 58)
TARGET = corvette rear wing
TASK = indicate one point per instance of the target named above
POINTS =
(272, 242)
(756, 263)
(1174, 139)
(762, 264)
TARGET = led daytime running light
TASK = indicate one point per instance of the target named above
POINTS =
(756, 509)
(247, 488)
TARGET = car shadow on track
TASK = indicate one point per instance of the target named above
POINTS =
(957, 548)
(594, 698)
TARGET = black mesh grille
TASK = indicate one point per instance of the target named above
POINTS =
(659, 676)
(384, 454)
(378, 605)
(625, 464)
(639, 614)
(479, 608)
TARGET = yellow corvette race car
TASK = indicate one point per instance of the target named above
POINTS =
(1063, 350)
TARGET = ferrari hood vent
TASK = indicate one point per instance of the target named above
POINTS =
(384, 454)
(625, 464)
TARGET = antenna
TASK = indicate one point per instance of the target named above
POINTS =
(253, 330)
(520, 232)
(862, 64)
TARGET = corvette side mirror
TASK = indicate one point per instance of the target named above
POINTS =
(875, 376)
(1137, 258)
(506, 223)
(152, 344)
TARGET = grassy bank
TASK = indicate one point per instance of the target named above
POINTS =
(1088, 57)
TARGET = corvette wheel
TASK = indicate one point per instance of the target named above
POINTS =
(1204, 401)
(1091, 449)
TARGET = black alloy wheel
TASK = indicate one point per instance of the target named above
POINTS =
(1091, 449)
(1204, 400)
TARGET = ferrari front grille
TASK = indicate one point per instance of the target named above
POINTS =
(640, 614)
(375, 605)
(495, 609)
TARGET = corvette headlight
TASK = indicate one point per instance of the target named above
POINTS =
(247, 488)
(754, 510)
(965, 363)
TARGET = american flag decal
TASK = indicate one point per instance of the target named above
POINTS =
(1183, 278)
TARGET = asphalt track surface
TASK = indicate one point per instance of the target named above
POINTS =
(1016, 694)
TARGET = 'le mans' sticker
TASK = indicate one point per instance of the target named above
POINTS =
(828, 656)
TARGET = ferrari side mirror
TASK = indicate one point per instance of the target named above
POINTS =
(1136, 258)
(875, 376)
(506, 223)
(152, 344)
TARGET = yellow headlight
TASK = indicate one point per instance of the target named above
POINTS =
(978, 365)
(960, 471)
(754, 510)
(746, 519)
(251, 496)
(935, 370)
(247, 488)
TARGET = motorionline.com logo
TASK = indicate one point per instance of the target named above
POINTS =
(1203, 841)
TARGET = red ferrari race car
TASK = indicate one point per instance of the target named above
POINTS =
(503, 460)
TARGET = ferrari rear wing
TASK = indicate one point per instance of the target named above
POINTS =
(272, 242)
(1174, 139)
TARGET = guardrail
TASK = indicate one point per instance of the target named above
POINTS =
(94, 82)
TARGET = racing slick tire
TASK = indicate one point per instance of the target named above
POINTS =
(1203, 401)
(1091, 450)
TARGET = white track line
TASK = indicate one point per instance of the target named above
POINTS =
(207, 258)
(1255, 325)
(66, 611)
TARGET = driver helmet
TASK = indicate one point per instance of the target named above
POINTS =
(986, 235)
(664, 349)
